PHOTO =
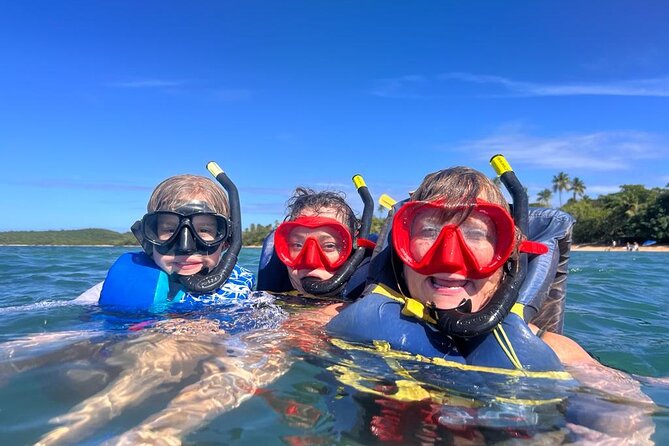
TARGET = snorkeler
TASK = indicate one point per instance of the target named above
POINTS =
(320, 249)
(446, 284)
(191, 238)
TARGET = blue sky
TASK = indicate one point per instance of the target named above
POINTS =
(101, 100)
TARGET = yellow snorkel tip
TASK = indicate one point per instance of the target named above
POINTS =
(358, 181)
(500, 164)
(387, 201)
(214, 168)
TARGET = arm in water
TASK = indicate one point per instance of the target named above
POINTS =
(627, 409)
(232, 370)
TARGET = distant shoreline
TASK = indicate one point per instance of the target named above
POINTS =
(605, 248)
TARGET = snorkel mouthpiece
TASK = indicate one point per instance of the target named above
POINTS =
(334, 285)
(459, 324)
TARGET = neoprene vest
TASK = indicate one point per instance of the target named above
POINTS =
(136, 283)
(273, 274)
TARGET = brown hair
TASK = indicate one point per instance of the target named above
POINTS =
(458, 185)
(178, 190)
(305, 198)
(461, 186)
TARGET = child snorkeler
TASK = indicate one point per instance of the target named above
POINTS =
(191, 237)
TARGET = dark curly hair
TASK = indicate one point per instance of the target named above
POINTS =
(305, 198)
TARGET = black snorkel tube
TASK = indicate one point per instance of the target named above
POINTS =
(205, 282)
(458, 324)
(334, 285)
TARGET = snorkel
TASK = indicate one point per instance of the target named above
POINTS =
(206, 281)
(334, 285)
(458, 322)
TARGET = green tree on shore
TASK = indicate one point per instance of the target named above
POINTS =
(544, 197)
(577, 187)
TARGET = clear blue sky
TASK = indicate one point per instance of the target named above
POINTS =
(101, 100)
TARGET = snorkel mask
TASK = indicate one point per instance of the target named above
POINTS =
(342, 259)
(431, 238)
(313, 243)
(195, 228)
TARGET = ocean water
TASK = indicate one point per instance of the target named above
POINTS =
(58, 357)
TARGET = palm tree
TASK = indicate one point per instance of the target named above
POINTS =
(544, 197)
(561, 182)
(577, 187)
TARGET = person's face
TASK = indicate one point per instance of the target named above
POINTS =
(326, 238)
(186, 264)
(447, 289)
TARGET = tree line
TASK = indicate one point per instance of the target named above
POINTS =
(634, 214)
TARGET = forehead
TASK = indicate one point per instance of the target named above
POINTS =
(325, 212)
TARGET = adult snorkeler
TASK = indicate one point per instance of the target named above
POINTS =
(446, 283)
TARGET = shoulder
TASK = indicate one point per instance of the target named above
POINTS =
(567, 350)
(241, 276)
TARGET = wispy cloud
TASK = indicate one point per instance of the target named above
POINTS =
(398, 87)
(422, 86)
(147, 83)
(603, 151)
(658, 86)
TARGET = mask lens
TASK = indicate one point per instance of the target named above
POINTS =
(431, 237)
(162, 227)
(209, 228)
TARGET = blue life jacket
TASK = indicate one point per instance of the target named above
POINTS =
(273, 274)
(136, 283)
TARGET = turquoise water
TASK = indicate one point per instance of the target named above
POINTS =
(616, 309)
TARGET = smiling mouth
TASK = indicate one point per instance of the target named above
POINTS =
(447, 283)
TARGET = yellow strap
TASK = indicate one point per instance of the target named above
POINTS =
(519, 309)
(506, 346)
(410, 307)
(384, 348)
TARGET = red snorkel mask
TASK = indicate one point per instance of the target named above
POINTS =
(473, 240)
(313, 243)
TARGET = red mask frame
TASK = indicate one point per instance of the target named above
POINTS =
(311, 256)
(450, 252)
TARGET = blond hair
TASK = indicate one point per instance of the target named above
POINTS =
(178, 190)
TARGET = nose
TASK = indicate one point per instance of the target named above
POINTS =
(186, 243)
(451, 252)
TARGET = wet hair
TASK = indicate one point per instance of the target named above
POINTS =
(305, 198)
(457, 186)
(178, 190)
(460, 185)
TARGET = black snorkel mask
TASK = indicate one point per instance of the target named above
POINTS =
(191, 228)
(335, 285)
(195, 228)
(460, 322)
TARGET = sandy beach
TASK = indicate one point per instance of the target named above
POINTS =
(653, 248)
